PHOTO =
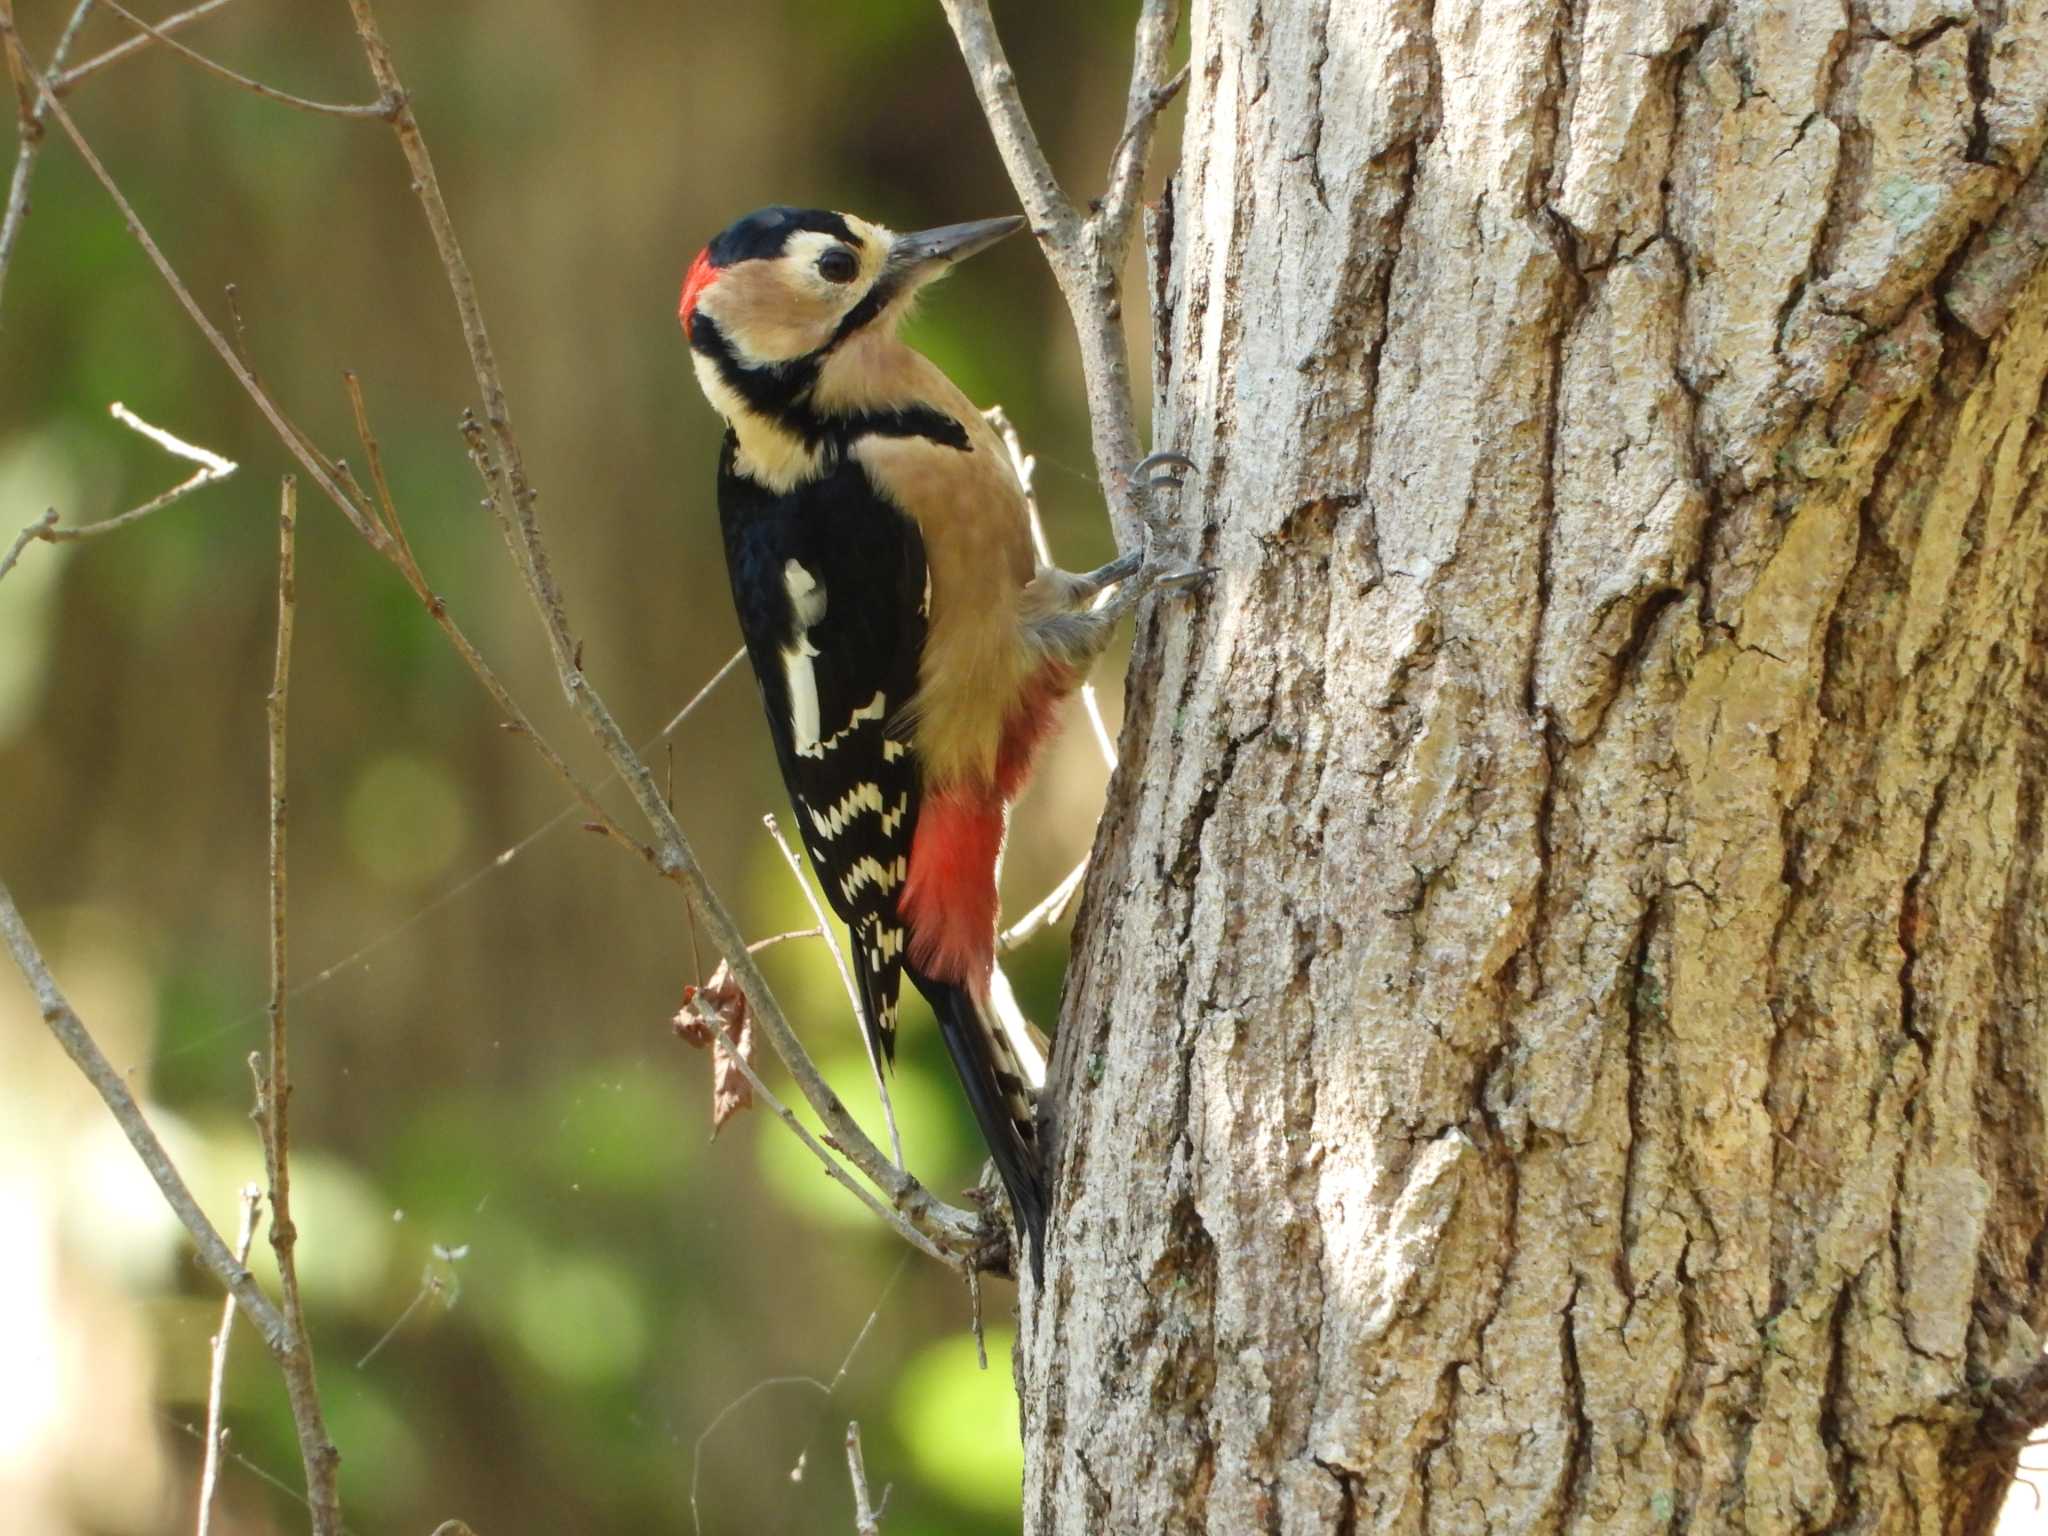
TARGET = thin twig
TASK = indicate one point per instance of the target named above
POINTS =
(825, 1388)
(112, 1088)
(39, 529)
(272, 412)
(398, 550)
(65, 81)
(796, 873)
(216, 1437)
(31, 128)
(865, 1522)
(273, 1105)
(1048, 911)
(835, 1169)
(1025, 466)
(941, 1227)
(374, 109)
(1054, 906)
(212, 467)
(773, 939)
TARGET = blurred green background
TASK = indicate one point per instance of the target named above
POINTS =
(533, 1281)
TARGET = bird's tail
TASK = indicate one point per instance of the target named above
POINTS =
(1000, 1095)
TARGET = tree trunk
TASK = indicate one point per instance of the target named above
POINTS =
(1556, 1042)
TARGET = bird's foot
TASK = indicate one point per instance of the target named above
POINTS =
(1167, 574)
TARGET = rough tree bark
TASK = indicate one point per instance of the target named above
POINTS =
(1556, 1037)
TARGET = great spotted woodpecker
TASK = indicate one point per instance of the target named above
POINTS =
(911, 652)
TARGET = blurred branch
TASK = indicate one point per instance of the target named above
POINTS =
(1086, 254)
(84, 1051)
(323, 475)
(30, 124)
(274, 1092)
(944, 1230)
(398, 550)
(796, 873)
(65, 81)
(209, 1470)
(822, 1150)
(825, 1388)
(1048, 911)
(374, 109)
(866, 1521)
(212, 467)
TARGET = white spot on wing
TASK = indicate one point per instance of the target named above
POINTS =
(867, 870)
(862, 797)
(806, 597)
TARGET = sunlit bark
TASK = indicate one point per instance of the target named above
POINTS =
(1555, 1035)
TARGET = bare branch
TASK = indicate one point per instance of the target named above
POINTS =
(84, 1051)
(65, 81)
(1086, 255)
(29, 121)
(209, 1469)
(282, 425)
(1054, 219)
(1048, 911)
(796, 873)
(1150, 92)
(865, 1520)
(273, 1100)
(398, 551)
(374, 109)
(31, 127)
(39, 529)
(824, 1388)
(212, 467)
(834, 1169)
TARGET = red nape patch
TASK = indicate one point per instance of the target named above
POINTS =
(1030, 726)
(949, 900)
(702, 276)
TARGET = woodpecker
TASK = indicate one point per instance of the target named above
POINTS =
(910, 650)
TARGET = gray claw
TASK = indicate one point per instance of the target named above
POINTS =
(1122, 568)
(1186, 579)
(1165, 458)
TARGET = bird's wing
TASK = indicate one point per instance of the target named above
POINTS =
(829, 583)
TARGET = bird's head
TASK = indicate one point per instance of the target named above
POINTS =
(786, 285)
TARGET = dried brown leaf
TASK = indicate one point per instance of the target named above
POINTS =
(720, 1006)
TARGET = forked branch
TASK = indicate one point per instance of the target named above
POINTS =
(1086, 252)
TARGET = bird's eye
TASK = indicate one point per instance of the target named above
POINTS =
(837, 265)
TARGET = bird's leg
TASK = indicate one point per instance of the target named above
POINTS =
(1078, 632)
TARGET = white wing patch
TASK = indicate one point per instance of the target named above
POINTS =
(807, 603)
(806, 597)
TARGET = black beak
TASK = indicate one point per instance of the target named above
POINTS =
(950, 243)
